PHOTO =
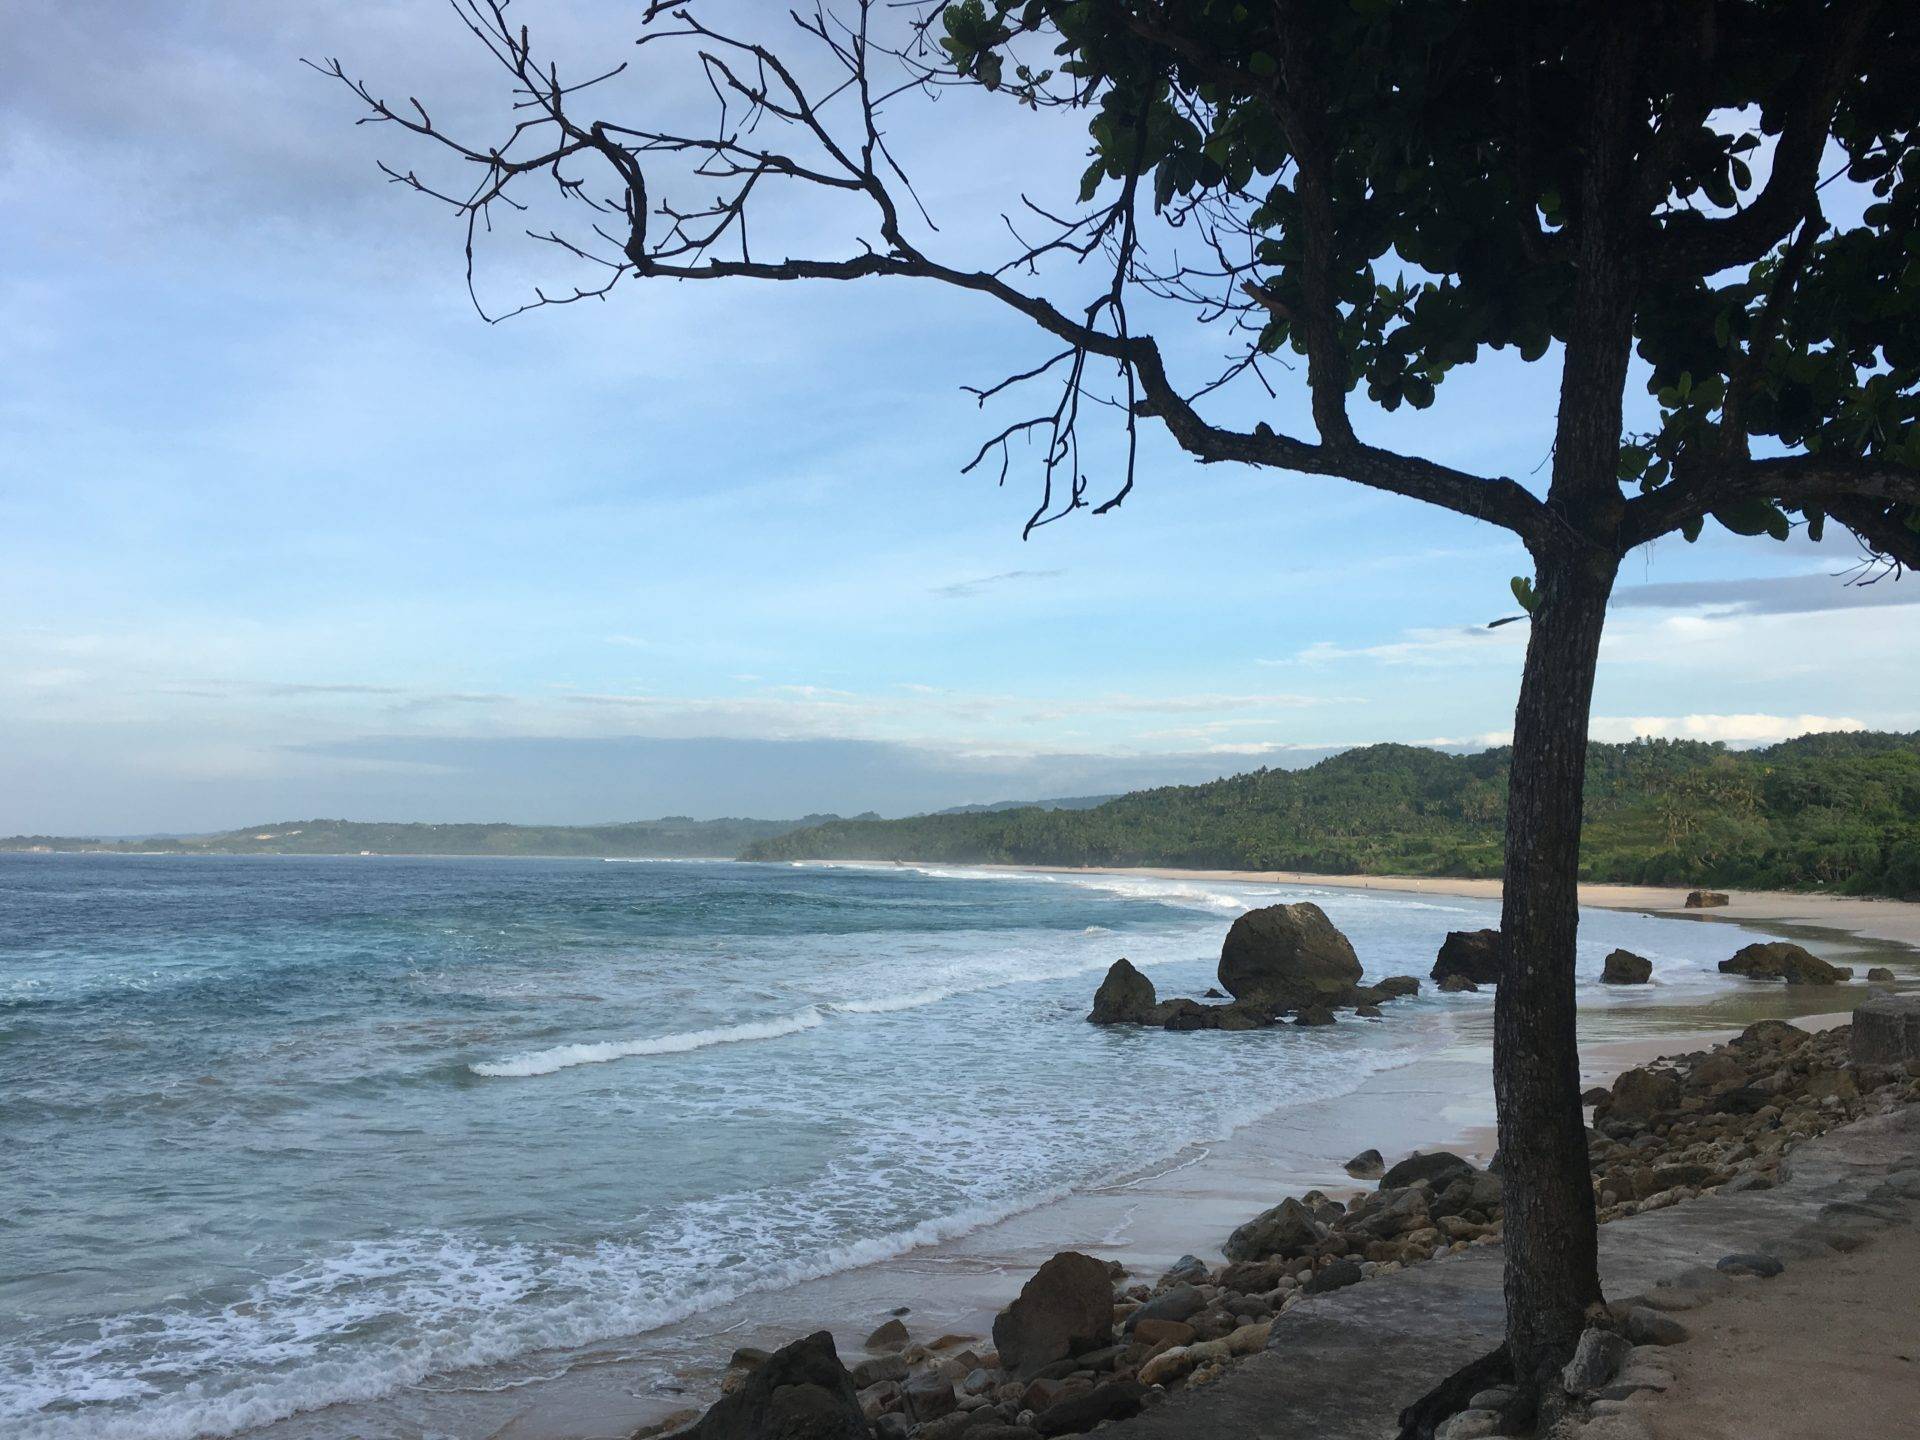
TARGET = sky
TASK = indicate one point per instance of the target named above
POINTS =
(287, 530)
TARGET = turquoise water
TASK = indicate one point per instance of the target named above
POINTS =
(282, 1132)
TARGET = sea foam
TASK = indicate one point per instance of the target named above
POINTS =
(565, 1057)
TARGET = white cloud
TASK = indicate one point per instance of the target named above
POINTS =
(1732, 729)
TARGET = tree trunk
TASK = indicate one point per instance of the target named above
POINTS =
(1552, 1267)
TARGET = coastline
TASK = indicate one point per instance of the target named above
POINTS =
(1895, 922)
(1189, 1202)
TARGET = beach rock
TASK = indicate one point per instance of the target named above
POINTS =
(1156, 1331)
(1457, 984)
(1649, 1327)
(1116, 1400)
(675, 1424)
(1706, 899)
(1437, 1168)
(1783, 960)
(1250, 1339)
(1473, 954)
(1641, 1094)
(1179, 1014)
(1314, 1015)
(1880, 975)
(1287, 956)
(1168, 1366)
(1886, 1031)
(1398, 985)
(928, 1396)
(1180, 1303)
(1623, 967)
(1241, 1015)
(892, 1426)
(1367, 1165)
(1596, 1360)
(1125, 997)
(890, 1336)
(801, 1392)
(1287, 1227)
(1746, 1263)
(1213, 994)
(878, 1369)
(1065, 1309)
(1771, 1035)
(1469, 1425)
(1187, 1270)
(1337, 1276)
(1252, 1277)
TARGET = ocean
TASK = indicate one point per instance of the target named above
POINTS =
(288, 1133)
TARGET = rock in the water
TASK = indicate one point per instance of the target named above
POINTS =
(1764, 1266)
(1180, 1014)
(1337, 1276)
(1125, 997)
(1475, 954)
(1456, 984)
(1117, 1400)
(1065, 1309)
(1880, 975)
(1596, 1360)
(801, 1392)
(1705, 899)
(890, 1336)
(1641, 1094)
(1439, 1168)
(1398, 985)
(1886, 1031)
(1287, 956)
(1287, 1227)
(1623, 967)
(1314, 1015)
(1367, 1165)
(1783, 960)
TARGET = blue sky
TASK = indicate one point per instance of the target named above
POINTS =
(286, 530)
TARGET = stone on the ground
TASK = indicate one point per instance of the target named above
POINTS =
(1469, 1425)
(1623, 967)
(929, 1395)
(890, 1336)
(1116, 1400)
(1456, 984)
(1650, 1327)
(1641, 1094)
(1155, 1330)
(1287, 956)
(1066, 1308)
(1783, 960)
(1749, 1263)
(1474, 954)
(1288, 1226)
(1187, 1270)
(1337, 1276)
(1179, 1303)
(878, 1368)
(1706, 899)
(801, 1392)
(1367, 1165)
(1439, 1168)
(1250, 1339)
(1125, 997)
(1886, 1031)
(1596, 1360)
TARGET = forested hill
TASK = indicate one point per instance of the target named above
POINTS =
(1832, 810)
(675, 836)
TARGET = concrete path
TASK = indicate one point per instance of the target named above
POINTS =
(1341, 1366)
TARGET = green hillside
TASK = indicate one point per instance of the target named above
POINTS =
(1837, 811)
(675, 836)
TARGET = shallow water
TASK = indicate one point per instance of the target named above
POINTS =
(286, 1132)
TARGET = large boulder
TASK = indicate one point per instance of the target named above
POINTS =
(1287, 956)
(1640, 1095)
(1783, 960)
(1623, 967)
(802, 1392)
(1125, 997)
(1065, 1309)
(1706, 899)
(1886, 1031)
(1287, 1229)
(1438, 1168)
(1472, 954)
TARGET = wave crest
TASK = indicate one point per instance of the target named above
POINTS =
(565, 1057)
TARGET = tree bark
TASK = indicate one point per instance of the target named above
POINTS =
(1552, 1263)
